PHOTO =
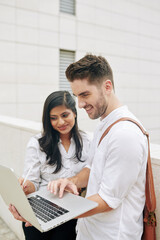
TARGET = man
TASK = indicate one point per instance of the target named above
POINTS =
(115, 178)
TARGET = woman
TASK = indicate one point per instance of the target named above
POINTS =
(59, 152)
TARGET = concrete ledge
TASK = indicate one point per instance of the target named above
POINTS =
(14, 136)
(26, 125)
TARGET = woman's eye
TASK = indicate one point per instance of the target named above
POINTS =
(52, 118)
(65, 115)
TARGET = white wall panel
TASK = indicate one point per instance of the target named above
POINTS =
(7, 14)
(26, 35)
(8, 2)
(27, 73)
(67, 25)
(52, 7)
(26, 53)
(8, 93)
(48, 38)
(7, 51)
(26, 18)
(126, 32)
(33, 111)
(86, 13)
(7, 32)
(47, 56)
(7, 72)
(8, 109)
(67, 41)
(30, 93)
(88, 30)
(29, 4)
(49, 75)
(141, 81)
(142, 108)
(84, 43)
(48, 22)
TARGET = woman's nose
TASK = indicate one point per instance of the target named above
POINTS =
(60, 121)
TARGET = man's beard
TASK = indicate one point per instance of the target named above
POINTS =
(100, 108)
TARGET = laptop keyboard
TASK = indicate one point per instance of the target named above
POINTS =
(44, 209)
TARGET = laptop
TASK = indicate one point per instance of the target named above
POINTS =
(42, 209)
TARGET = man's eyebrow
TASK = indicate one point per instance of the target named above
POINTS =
(81, 94)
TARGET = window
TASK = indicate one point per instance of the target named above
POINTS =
(66, 58)
(67, 6)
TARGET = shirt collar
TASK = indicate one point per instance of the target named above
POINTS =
(60, 141)
(113, 116)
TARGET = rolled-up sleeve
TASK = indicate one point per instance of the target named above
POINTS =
(122, 166)
(32, 161)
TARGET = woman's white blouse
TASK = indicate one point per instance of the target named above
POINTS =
(41, 173)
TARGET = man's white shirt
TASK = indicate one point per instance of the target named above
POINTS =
(118, 170)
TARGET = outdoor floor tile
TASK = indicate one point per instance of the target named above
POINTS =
(5, 232)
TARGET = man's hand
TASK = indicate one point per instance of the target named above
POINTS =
(71, 184)
(17, 216)
(62, 185)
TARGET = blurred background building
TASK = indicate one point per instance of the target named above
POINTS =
(40, 38)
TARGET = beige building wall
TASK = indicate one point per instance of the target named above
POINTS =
(29, 47)
(126, 32)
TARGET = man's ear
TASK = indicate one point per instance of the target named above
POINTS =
(108, 85)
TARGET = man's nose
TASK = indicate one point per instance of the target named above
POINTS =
(81, 103)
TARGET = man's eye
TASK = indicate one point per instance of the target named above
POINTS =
(85, 95)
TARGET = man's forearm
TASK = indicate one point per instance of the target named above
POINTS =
(102, 206)
(81, 179)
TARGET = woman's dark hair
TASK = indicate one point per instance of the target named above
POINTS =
(50, 137)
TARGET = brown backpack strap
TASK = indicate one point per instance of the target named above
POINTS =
(149, 190)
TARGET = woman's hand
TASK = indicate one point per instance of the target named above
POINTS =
(62, 185)
(28, 187)
(17, 216)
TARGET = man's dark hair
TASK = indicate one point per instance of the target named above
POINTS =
(94, 68)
